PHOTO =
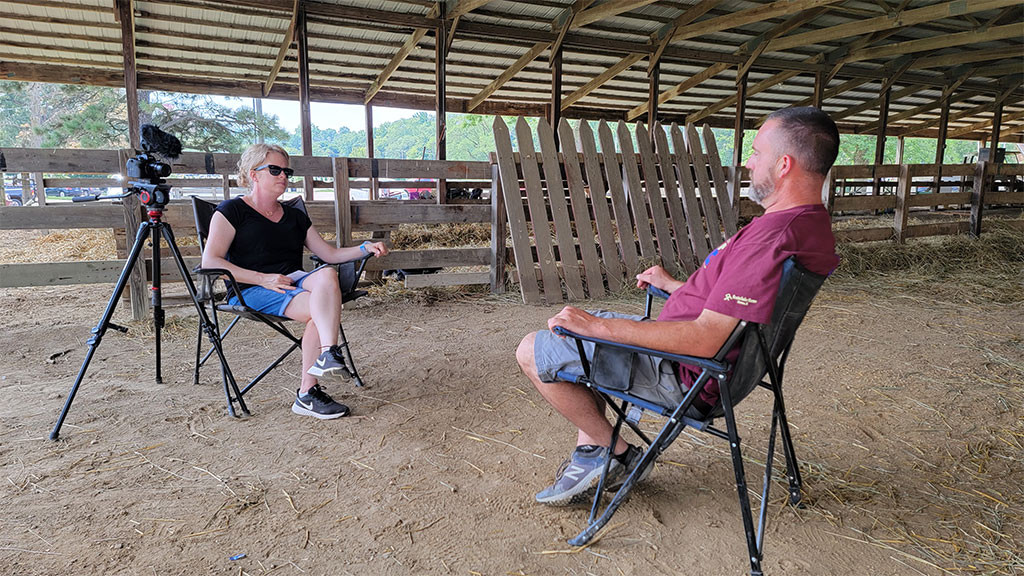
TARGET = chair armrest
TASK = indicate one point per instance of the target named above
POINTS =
(213, 274)
(704, 363)
(658, 292)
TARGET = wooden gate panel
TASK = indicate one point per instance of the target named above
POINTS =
(516, 216)
(654, 200)
(581, 212)
(538, 213)
(684, 251)
(610, 256)
(559, 212)
(622, 220)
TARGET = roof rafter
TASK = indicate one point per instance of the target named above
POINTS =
(605, 76)
(744, 17)
(694, 12)
(935, 43)
(286, 43)
(530, 55)
(399, 57)
(607, 10)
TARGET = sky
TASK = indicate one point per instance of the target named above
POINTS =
(323, 115)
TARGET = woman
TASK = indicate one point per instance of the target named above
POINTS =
(260, 241)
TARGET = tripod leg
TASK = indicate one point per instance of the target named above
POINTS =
(157, 301)
(101, 328)
(205, 324)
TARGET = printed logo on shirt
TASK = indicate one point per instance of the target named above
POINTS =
(715, 252)
(741, 300)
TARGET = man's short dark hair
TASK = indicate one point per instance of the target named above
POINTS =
(811, 136)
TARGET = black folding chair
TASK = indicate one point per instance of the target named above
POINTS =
(349, 274)
(763, 349)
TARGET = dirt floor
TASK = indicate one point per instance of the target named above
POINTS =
(906, 405)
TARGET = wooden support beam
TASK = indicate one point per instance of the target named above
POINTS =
(507, 75)
(1015, 52)
(940, 143)
(555, 110)
(819, 89)
(947, 93)
(605, 76)
(680, 88)
(737, 139)
(374, 181)
(653, 86)
(759, 87)
(664, 37)
(306, 123)
(793, 22)
(984, 124)
(441, 99)
(607, 10)
(870, 104)
(935, 43)
(465, 7)
(744, 17)
(993, 144)
(568, 21)
(286, 43)
(953, 9)
(883, 118)
(970, 112)
(126, 17)
(400, 56)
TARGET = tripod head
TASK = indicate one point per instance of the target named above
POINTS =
(145, 172)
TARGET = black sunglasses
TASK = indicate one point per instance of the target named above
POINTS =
(276, 170)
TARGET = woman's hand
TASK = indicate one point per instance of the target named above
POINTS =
(276, 282)
(659, 278)
(378, 249)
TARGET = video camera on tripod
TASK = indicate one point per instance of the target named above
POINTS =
(145, 173)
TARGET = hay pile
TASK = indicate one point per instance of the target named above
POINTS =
(421, 236)
(66, 245)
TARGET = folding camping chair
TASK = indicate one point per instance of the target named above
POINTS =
(349, 274)
(796, 291)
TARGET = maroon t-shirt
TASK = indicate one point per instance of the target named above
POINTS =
(741, 277)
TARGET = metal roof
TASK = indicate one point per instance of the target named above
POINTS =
(971, 51)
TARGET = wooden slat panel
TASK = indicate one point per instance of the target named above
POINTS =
(864, 235)
(63, 161)
(383, 212)
(857, 203)
(448, 279)
(725, 206)
(700, 168)
(937, 229)
(598, 190)
(516, 217)
(538, 209)
(637, 203)
(96, 215)
(613, 173)
(1004, 198)
(431, 258)
(657, 206)
(684, 250)
(581, 212)
(87, 272)
(943, 199)
(401, 168)
(694, 221)
(559, 211)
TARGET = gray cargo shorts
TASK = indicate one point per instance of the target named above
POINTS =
(652, 379)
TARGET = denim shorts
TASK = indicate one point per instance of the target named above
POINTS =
(652, 378)
(268, 301)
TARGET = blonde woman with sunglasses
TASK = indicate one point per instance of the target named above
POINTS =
(260, 241)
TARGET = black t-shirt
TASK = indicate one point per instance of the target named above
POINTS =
(263, 245)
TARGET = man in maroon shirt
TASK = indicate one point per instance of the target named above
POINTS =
(793, 152)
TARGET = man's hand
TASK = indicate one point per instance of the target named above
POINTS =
(276, 282)
(576, 320)
(659, 278)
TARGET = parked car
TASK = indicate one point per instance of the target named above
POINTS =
(13, 196)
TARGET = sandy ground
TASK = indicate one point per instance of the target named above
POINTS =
(906, 413)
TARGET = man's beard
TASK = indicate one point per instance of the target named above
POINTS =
(761, 190)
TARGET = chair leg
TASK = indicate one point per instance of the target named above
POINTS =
(792, 465)
(199, 349)
(348, 357)
(753, 550)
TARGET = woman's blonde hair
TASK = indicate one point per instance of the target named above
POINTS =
(253, 157)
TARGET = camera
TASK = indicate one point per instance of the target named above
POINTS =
(153, 192)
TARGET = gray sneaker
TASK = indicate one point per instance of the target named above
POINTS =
(318, 404)
(330, 365)
(578, 476)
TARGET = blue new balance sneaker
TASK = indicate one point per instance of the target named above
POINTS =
(578, 476)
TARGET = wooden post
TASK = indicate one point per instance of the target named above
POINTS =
(978, 198)
(26, 188)
(555, 113)
(883, 121)
(40, 188)
(226, 183)
(940, 145)
(132, 220)
(997, 121)
(819, 89)
(653, 90)
(441, 107)
(126, 16)
(374, 182)
(304, 114)
(737, 140)
(257, 104)
(899, 149)
(342, 203)
(902, 193)
(499, 227)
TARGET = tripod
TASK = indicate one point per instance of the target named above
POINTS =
(155, 227)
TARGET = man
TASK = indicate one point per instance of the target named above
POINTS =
(793, 152)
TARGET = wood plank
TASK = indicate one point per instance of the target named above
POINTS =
(652, 186)
(599, 200)
(601, 79)
(403, 168)
(97, 215)
(581, 212)
(941, 199)
(935, 43)
(859, 203)
(637, 203)
(286, 43)
(700, 168)
(507, 75)
(725, 206)
(694, 222)
(431, 258)
(864, 235)
(378, 212)
(677, 218)
(84, 272)
(559, 211)
(758, 13)
(937, 229)
(342, 204)
(538, 213)
(516, 216)
(447, 279)
(499, 230)
(623, 224)
(902, 210)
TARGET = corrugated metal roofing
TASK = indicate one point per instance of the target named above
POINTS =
(229, 47)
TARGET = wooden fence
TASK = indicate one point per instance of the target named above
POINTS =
(351, 220)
